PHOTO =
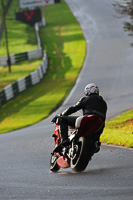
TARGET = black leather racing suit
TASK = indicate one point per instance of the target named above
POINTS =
(92, 104)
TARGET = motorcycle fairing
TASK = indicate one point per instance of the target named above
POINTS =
(88, 124)
(62, 162)
(56, 135)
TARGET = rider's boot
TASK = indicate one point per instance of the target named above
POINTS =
(64, 143)
(97, 146)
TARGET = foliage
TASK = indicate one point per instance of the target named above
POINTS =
(126, 9)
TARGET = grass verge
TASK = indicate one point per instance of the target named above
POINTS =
(65, 45)
(21, 37)
(18, 71)
(119, 131)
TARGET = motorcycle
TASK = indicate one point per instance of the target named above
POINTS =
(81, 146)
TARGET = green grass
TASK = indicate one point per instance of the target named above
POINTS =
(18, 71)
(66, 48)
(21, 37)
(28, 109)
(63, 41)
(119, 131)
(65, 45)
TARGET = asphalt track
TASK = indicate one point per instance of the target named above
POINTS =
(25, 154)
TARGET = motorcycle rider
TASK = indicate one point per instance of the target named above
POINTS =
(91, 103)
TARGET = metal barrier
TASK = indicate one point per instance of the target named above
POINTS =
(15, 58)
(33, 54)
(21, 57)
(22, 84)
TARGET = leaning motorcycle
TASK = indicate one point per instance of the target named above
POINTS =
(81, 146)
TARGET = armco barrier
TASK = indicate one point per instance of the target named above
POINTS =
(15, 58)
(3, 60)
(21, 84)
(28, 81)
(2, 97)
(8, 92)
(35, 77)
(24, 83)
(21, 57)
(15, 88)
(33, 54)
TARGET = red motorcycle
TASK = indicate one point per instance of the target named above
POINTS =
(81, 147)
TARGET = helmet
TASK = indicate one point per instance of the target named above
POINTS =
(91, 89)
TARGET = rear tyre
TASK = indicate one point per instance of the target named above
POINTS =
(54, 167)
(81, 156)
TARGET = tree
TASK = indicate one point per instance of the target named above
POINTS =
(6, 36)
(126, 9)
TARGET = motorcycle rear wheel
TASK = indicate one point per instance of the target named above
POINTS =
(54, 167)
(82, 156)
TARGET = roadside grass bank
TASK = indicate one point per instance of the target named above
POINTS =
(119, 131)
(18, 71)
(21, 37)
(66, 48)
(65, 45)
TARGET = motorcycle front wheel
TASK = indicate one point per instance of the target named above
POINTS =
(81, 156)
(54, 167)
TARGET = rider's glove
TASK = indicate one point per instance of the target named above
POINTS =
(54, 120)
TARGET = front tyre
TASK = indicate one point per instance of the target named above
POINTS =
(54, 167)
(81, 156)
